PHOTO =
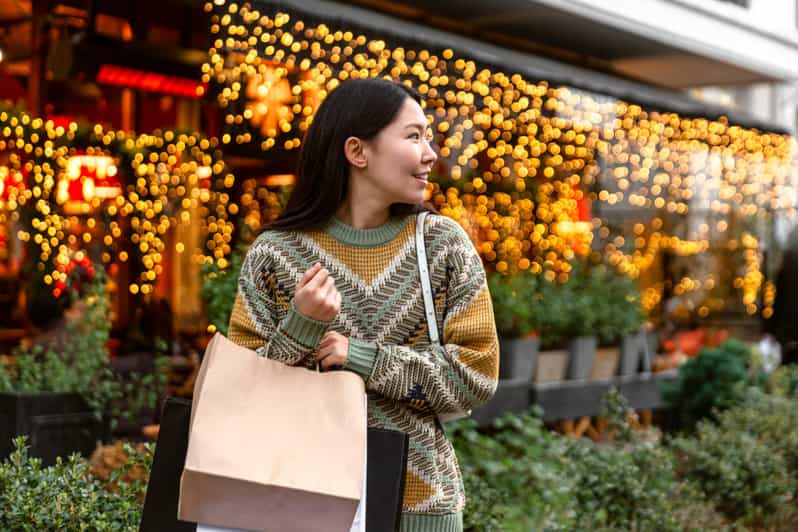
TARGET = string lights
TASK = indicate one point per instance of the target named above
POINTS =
(517, 155)
(69, 179)
(538, 175)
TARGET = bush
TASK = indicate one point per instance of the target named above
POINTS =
(772, 420)
(625, 489)
(712, 381)
(743, 477)
(783, 382)
(79, 364)
(65, 496)
(523, 466)
(595, 300)
(620, 308)
(629, 486)
(219, 289)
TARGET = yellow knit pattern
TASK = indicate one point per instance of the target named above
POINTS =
(409, 381)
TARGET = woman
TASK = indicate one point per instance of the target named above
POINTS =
(334, 281)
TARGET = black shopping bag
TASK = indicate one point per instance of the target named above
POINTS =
(385, 474)
(163, 489)
(385, 478)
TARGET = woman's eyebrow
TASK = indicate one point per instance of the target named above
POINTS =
(417, 125)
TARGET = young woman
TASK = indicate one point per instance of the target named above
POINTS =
(334, 281)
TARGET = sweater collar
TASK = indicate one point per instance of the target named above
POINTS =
(371, 237)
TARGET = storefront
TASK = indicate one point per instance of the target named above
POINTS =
(540, 161)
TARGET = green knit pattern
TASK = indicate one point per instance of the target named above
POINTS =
(409, 381)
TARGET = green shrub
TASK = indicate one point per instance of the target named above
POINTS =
(743, 477)
(596, 300)
(79, 364)
(712, 381)
(625, 489)
(620, 311)
(65, 497)
(772, 420)
(486, 506)
(629, 486)
(783, 382)
(219, 289)
(523, 464)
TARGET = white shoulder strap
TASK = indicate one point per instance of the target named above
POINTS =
(426, 287)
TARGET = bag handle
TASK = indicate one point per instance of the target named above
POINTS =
(426, 287)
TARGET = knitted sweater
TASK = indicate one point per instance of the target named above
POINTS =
(408, 381)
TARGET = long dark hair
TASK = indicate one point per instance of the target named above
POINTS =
(357, 108)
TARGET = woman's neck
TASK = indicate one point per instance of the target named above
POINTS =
(367, 215)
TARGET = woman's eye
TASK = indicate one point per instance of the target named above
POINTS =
(414, 136)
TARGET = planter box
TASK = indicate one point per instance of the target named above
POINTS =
(632, 349)
(581, 351)
(551, 366)
(56, 424)
(574, 399)
(605, 363)
(510, 396)
(517, 358)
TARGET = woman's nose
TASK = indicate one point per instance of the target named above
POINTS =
(429, 156)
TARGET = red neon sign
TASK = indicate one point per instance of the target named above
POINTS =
(150, 81)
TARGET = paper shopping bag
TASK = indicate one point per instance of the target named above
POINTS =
(272, 447)
(386, 468)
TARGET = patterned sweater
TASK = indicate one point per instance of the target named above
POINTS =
(408, 381)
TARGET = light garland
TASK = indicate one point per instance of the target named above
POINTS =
(516, 154)
(163, 170)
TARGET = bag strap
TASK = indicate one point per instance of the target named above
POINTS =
(423, 272)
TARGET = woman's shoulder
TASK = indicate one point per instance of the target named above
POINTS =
(438, 227)
(268, 243)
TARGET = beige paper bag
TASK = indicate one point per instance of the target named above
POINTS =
(272, 447)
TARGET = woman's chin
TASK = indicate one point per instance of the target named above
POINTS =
(414, 199)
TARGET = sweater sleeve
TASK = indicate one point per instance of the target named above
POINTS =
(451, 378)
(254, 321)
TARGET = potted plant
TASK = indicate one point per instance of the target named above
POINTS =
(630, 326)
(552, 321)
(61, 394)
(618, 324)
(580, 303)
(518, 340)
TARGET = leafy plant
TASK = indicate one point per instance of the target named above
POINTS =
(618, 297)
(65, 496)
(581, 302)
(625, 489)
(523, 464)
(514, 305)
(744, 478)
(615, 409)
(712, 381)
(79, 364)
(783, 382)
(594, 300)
(772, 420)
(219, 288)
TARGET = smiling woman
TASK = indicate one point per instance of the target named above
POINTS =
(334, 283)
(367, 143)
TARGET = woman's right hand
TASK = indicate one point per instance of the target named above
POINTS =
(316, 296)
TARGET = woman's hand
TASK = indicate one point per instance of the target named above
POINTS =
(316, 296)
(333, 351)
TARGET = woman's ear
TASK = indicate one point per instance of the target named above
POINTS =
(355, 150)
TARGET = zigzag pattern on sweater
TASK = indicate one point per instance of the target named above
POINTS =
(383, 303)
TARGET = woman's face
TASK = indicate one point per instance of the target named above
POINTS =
(400, 157)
